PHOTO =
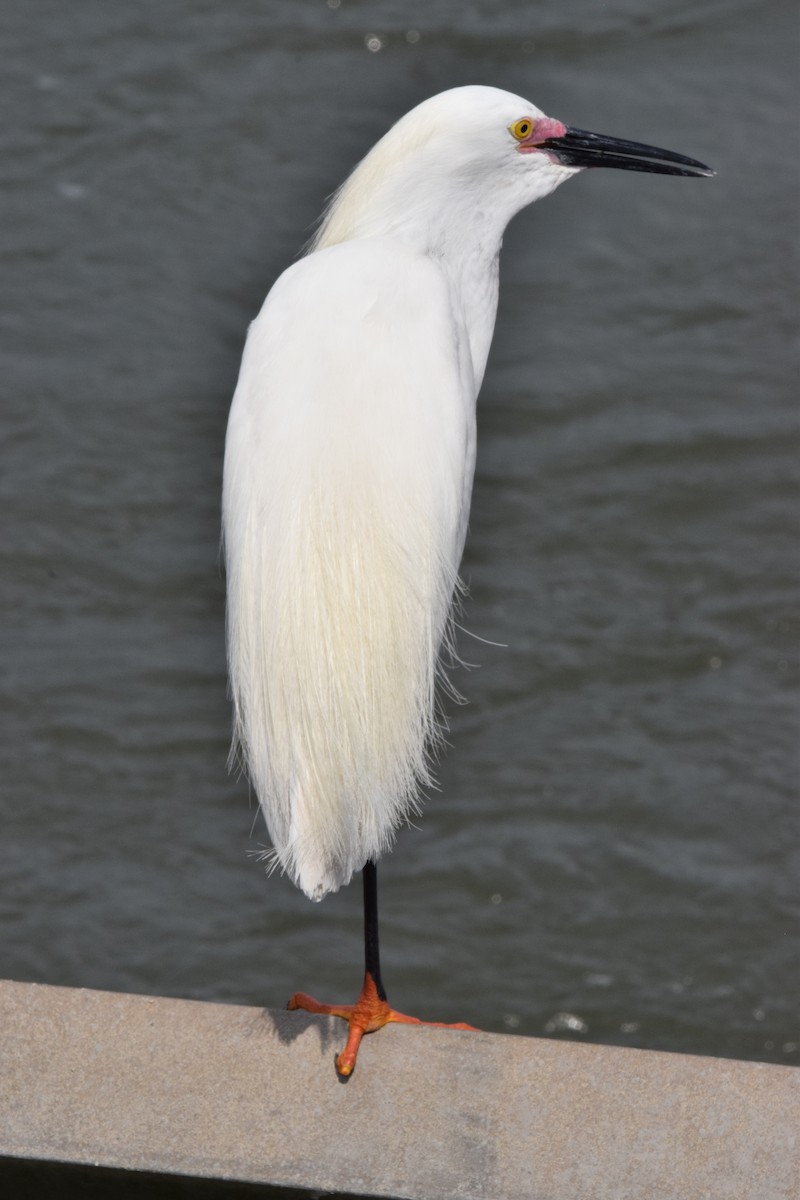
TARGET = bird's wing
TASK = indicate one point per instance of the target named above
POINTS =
(348, 465)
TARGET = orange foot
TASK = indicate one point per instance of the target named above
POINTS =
(371, 1011)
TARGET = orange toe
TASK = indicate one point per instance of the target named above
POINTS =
(402, 1019)
(302, 1000)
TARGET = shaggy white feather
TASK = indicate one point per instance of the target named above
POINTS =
(348, 471)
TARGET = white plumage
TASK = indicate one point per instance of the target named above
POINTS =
(348, 472)
(348, 449)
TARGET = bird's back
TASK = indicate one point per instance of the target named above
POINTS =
(348, 466)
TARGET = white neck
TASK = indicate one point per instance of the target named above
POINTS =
(462, 237)
(472, 267)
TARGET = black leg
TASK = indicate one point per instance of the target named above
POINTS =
(372, 957)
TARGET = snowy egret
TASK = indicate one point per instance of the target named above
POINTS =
(349, 460)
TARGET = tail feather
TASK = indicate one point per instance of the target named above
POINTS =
(336, 612)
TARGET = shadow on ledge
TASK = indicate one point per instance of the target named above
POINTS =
(28, 1179)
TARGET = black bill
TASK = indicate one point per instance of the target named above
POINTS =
(577, 148)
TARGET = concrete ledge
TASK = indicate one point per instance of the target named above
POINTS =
(181, 1088)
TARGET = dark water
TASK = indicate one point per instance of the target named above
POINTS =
(614, 850)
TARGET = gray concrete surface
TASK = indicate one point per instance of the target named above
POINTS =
(222, 1092)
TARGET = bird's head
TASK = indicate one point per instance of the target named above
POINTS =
(474, 156)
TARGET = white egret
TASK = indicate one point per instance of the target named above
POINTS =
(349, 460)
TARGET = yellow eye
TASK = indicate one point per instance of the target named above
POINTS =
(522, 129)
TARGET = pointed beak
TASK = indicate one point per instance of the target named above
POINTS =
(577, 148)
